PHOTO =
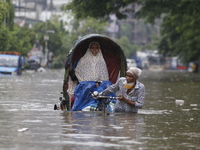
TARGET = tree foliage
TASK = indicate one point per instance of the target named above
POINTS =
(87, 26)
(180, 28)
(10, 39)
(7, 14)
(91, 25)
(100, 8)
(21, 40)
(126, 46)
(3, 11)
(4, 39)
(54, 42)
(62, 40)
(10, 15)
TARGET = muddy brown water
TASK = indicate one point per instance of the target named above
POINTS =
(28, 121)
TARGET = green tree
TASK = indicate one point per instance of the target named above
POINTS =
(6, 26)
(7, 14)
(126, 46)
(4, 39)
(91, 25)
(180, 28)
(81, 27)
(99, 9)
(54, 42)
(3, 11)
(62, 40)
(21, 40)
(66, 39)
(10, 15)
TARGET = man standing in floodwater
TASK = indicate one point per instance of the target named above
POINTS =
(130, 91)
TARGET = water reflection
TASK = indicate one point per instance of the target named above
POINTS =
(93, 129)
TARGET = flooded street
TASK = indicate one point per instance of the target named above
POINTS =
(28, 121)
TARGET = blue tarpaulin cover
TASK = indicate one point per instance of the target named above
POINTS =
(82, 94)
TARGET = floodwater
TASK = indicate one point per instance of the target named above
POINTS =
(28, 121)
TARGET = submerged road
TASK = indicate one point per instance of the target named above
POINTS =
(28, 121)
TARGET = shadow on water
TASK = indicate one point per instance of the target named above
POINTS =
(28, 121)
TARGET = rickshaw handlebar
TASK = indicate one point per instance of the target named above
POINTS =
(96, 95)
(105, 97)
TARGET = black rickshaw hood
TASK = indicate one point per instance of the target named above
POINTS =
(112, 52)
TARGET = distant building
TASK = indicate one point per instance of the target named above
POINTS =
(32, 11)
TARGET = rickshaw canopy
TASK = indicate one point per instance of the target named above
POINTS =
(112, 53)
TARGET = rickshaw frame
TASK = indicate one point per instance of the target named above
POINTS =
(113, 54)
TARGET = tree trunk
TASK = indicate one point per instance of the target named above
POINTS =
(198, 65)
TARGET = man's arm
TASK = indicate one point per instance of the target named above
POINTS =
(111, 89)
(122, 98)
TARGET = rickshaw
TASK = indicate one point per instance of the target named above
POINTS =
(112, 53)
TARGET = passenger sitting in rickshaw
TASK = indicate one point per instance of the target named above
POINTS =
(87, 75)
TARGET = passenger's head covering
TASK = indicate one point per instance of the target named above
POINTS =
(136, 72)
(94, 42)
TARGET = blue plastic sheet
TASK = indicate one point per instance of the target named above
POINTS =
(83, 92)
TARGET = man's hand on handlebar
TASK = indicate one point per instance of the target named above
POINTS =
(121, 97)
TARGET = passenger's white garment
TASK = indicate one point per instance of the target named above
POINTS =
(92, 68)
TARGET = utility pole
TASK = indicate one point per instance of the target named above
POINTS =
(46, 38)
